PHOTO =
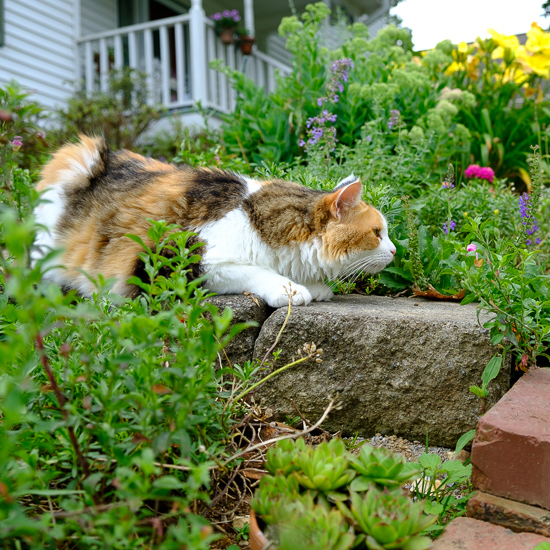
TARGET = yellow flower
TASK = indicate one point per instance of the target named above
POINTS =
(465, 214)
(496, 212)
(504, 41)
(454, 67)
(463, 47)
(471, 66)
(538, 41)
(538, 63)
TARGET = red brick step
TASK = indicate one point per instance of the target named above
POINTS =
(511, 450)
(472, 534)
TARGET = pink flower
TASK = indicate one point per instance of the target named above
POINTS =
(472, 171)
(471, 248)
(481, 172)
(486, 173)
(16, 143)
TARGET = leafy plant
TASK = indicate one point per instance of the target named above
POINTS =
(110, 409)
(437, 485)
(121, 114)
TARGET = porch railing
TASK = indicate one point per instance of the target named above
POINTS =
(175, 54)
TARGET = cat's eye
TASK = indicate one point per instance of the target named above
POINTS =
(377, 232)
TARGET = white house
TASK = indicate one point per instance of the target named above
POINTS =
(51, 46)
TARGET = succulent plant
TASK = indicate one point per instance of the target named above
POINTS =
(309, 501)
(316, 528)
(274, 498)
(324, 468)
(389, 520)
(379, 466)
(281, 458)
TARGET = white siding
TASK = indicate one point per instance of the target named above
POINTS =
(39, 50)
(97, 16)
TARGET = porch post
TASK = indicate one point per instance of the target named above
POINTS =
(198, 52)
(249, 16)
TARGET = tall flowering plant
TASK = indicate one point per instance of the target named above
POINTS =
(509, 283)
(320, 132)
(508, 81)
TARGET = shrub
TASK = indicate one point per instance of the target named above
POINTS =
(121, 115)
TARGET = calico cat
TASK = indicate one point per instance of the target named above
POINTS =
(260, 236)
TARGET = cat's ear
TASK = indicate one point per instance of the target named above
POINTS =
(346, 181)
(344, 197)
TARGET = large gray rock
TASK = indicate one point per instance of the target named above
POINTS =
(246, 307)
(397, 366)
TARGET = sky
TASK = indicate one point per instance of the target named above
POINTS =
(432, 21)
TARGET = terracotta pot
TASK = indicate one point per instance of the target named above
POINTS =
(227, 35)
(256, 538)
(246, 43)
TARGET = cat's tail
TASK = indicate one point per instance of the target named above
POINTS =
(75, 165)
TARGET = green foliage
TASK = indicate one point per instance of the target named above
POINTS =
(511, 286)
(110, 410)
(383, 79)
(19, 116)
(438, 484)
(327, 497)
(121, 114)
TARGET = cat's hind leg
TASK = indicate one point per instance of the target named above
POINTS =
(272, 287)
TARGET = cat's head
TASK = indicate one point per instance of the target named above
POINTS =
(356, 234)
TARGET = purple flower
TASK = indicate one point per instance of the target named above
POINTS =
(340, 74)
(369, 138)
(450, 227)
(302, 143)
(395, 118)
(17, 143)
(448, 185)
(529, 221)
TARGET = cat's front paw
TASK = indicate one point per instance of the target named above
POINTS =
(299, 295)
(320, 292)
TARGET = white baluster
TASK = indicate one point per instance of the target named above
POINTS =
(103, 65)
(198, 52)
(165, 64)
(119, 52)
(148, 44)
(180, 62)
(90, 69)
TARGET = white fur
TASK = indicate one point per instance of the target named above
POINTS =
(47, 215)
(237, 260)
(252, 185)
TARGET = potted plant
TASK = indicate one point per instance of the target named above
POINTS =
(327, 497)
(245, 41)
(226, 24)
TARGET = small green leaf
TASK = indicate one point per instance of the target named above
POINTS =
(464, 440)
(492, 369)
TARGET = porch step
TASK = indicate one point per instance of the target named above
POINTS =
(395, 366)
(472, 534)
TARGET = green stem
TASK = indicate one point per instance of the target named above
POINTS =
(274, 373)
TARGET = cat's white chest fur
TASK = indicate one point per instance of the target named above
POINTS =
(236, 257)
